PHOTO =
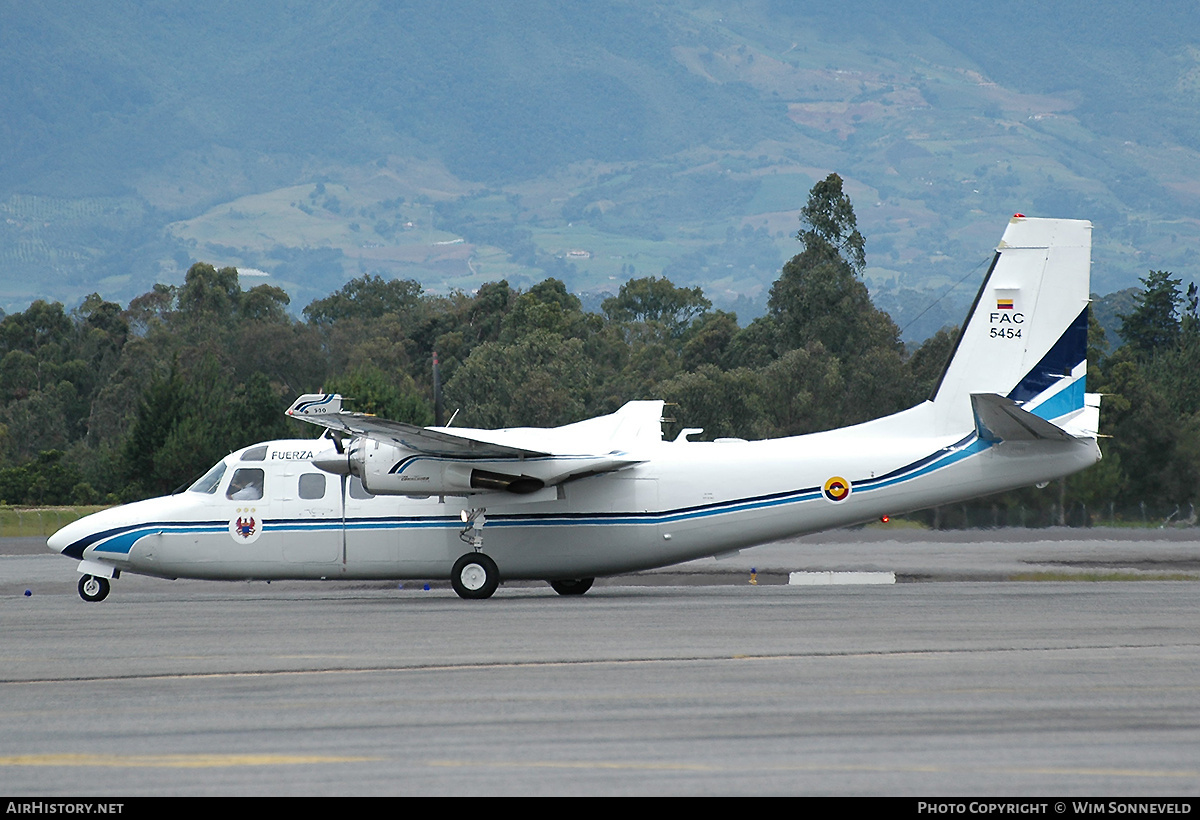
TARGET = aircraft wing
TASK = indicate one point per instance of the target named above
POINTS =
(424, 461)
(326, 410)
(1001, 419)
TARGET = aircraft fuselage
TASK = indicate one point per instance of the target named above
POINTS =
(689, 500)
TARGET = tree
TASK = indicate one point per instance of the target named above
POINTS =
(207, 290)
(540, 380)
(367, 297)
(819, 296)
(486, 313)
(832, 228)
(723, 402)
(926, 364)
(369, 390)
(803, 391)
(193, 416)
(820, 299)
(1154, 323)
(1157, 447)
(709, 339)
(158, 413)
(547, 306)
(44, 325)
(265, 303)
(657, 300)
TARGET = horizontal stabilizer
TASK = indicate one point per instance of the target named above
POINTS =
(1000, 419)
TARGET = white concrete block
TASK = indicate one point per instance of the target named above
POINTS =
(825, 578)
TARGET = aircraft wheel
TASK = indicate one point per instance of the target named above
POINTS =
(575, 586)
(475, 576)
(92, 588)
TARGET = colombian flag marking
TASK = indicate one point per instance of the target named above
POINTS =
(1004, 304)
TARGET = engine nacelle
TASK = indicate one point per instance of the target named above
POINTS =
(389, 470)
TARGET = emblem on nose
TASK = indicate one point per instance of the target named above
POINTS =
(244, 527)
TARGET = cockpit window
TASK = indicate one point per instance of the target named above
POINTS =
(208, 482)
(246, 484)
(255, 454)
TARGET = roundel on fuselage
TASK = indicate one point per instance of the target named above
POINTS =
(837, 489)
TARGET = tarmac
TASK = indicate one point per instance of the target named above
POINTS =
(1078, 678)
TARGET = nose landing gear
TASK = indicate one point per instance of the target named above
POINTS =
(93, 588)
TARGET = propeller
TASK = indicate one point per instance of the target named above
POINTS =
(344, 462)
(339, 465)
(344, 478)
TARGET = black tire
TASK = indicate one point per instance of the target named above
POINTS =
(93, 588)
(573, 586)
(475, 576)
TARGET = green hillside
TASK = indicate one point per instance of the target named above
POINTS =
(465, 142)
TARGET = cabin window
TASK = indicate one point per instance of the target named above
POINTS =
(357, 490)
(312, 485)
(246, 484)
(209, 481)
(255, 454)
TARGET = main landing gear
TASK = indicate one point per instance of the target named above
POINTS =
(475, 576)
(93, 588)
(575, 586)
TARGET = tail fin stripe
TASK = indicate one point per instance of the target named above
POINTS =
(1059, 361)
(1067, 401)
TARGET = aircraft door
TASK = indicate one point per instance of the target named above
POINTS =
(312, 500)
(638, 498)
(371, 544)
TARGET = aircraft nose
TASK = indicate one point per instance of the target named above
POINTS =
(60, 540)
(67, 536)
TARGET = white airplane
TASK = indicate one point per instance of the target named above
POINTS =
(376, 499)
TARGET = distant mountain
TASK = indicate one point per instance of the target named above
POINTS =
(462, 142)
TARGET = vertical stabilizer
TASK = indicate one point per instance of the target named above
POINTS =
(1026, 335)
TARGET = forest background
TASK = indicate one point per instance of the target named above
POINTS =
(104, 403)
